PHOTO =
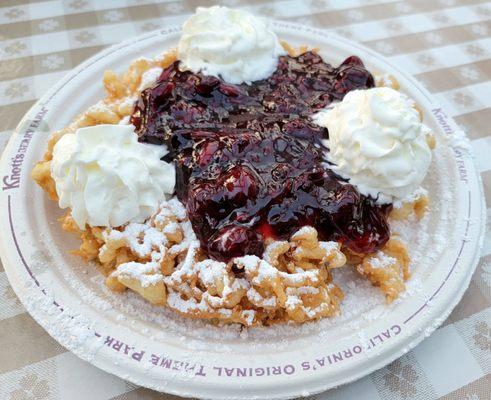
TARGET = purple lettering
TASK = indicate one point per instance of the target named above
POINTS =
(276, 370)
(200, 371)
(176, 365)
(154, 359)
(289, 369)
(166, 362)
(442, 120)
(127, 349)
(138, 355)
(347, 353)
(10, 182)
(117, 345)
(188, 367)
(396, 329)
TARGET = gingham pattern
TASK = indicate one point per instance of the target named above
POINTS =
(445, 44)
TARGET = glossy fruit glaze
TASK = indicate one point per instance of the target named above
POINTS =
(250, 163)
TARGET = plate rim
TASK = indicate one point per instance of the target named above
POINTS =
(98, 362)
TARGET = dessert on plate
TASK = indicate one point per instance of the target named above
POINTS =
(225, 179)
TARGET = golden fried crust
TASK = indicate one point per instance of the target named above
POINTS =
(296, 51)
(386, 80)
(418, 207)
(41, 173)
(387, 269)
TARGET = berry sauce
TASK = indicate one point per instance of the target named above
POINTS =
(250, 163)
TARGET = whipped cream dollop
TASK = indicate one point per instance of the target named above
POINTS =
(108, 178)
(231, 44)
(378, 142)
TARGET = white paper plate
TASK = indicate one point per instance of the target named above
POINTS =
(123, 335)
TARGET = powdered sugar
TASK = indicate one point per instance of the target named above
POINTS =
(147, 274)
(458, 140)
(254, 296)
(300, 276)
(328, 246)
(74, 330)
(171, 227)
(263, 268)
(293, 301)
(177, 208)
(307, 290)
(128, 102)
(149, 78)
(142, 239)
(305, 230)
(270, 249)
(417, 194)
(99, 107)
(382, 260)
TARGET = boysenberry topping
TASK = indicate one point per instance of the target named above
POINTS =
(250, 163)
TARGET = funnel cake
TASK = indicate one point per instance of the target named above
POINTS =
(258, 220)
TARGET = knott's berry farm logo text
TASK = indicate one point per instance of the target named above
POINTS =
(12, 180)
